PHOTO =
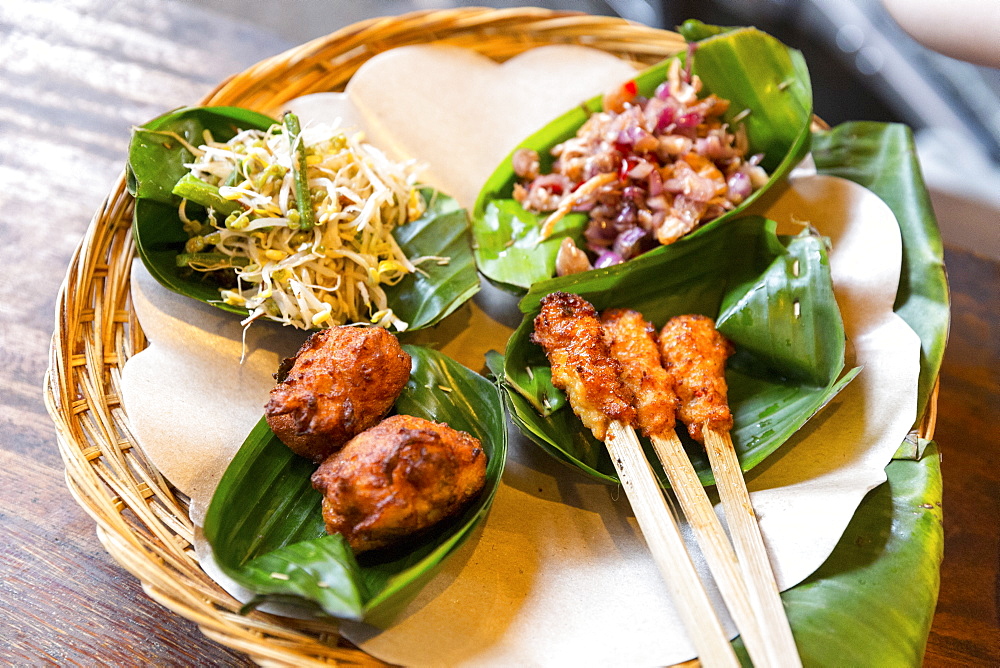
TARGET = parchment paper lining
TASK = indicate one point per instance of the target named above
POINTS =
(559, 574)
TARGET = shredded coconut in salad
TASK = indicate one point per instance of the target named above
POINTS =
(304, 217)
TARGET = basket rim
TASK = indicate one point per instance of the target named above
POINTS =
(141, 521)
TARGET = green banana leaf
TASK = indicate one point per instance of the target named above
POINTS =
(156, 163)
(752, 282)
(895, 592)
(751, 69)
(266, 528)
(883, 158)
(872, 602)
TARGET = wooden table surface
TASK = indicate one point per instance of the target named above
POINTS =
(74, 76)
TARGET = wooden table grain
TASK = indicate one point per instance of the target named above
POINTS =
(74, 76)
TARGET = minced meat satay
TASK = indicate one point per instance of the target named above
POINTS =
(632, 341)
(569, 332)
(342, 381)
(695, 354)
(397, 479)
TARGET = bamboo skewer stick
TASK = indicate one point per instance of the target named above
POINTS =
(715, 545)
(749, 544)
(659, 527)
(695, 353)
(569, 331)
(632, 342)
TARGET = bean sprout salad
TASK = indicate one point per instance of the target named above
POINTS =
(303, 219)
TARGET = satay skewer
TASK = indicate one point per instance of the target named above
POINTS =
(748, 541)
(695, 353)
(571, 335)
(659, 528)
(632, 342)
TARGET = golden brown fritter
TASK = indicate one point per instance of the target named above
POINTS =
(342, 381)
(397, 479)
(632, 341)
(695, 354)
(569, 332)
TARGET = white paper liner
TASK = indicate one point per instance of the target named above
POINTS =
(560, 574)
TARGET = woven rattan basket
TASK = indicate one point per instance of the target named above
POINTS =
(141, 520)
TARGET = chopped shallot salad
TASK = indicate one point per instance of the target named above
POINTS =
(645, 170)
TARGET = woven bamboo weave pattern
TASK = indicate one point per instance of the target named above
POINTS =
(141, 520)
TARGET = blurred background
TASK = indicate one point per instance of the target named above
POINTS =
(864, 67)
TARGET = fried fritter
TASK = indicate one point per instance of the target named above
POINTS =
(397, 479)
(342, 381)
(632, 341)
(695, 354)
(569, 332)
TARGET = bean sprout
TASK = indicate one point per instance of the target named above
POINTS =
(332, 273)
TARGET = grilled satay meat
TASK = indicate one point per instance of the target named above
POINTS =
(632, 341)
(397, 479)
(342, 381)
(569, 332)
(695, 354)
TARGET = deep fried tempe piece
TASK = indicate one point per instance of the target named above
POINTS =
(569, 332)
(342, 381)
(695, 354)
(632, 341)
(397, 479)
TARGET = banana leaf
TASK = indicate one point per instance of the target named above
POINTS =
(752, 282)
(156, 163)
(266, 528)
(872, 602)
(883, 158)
(751, 69)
